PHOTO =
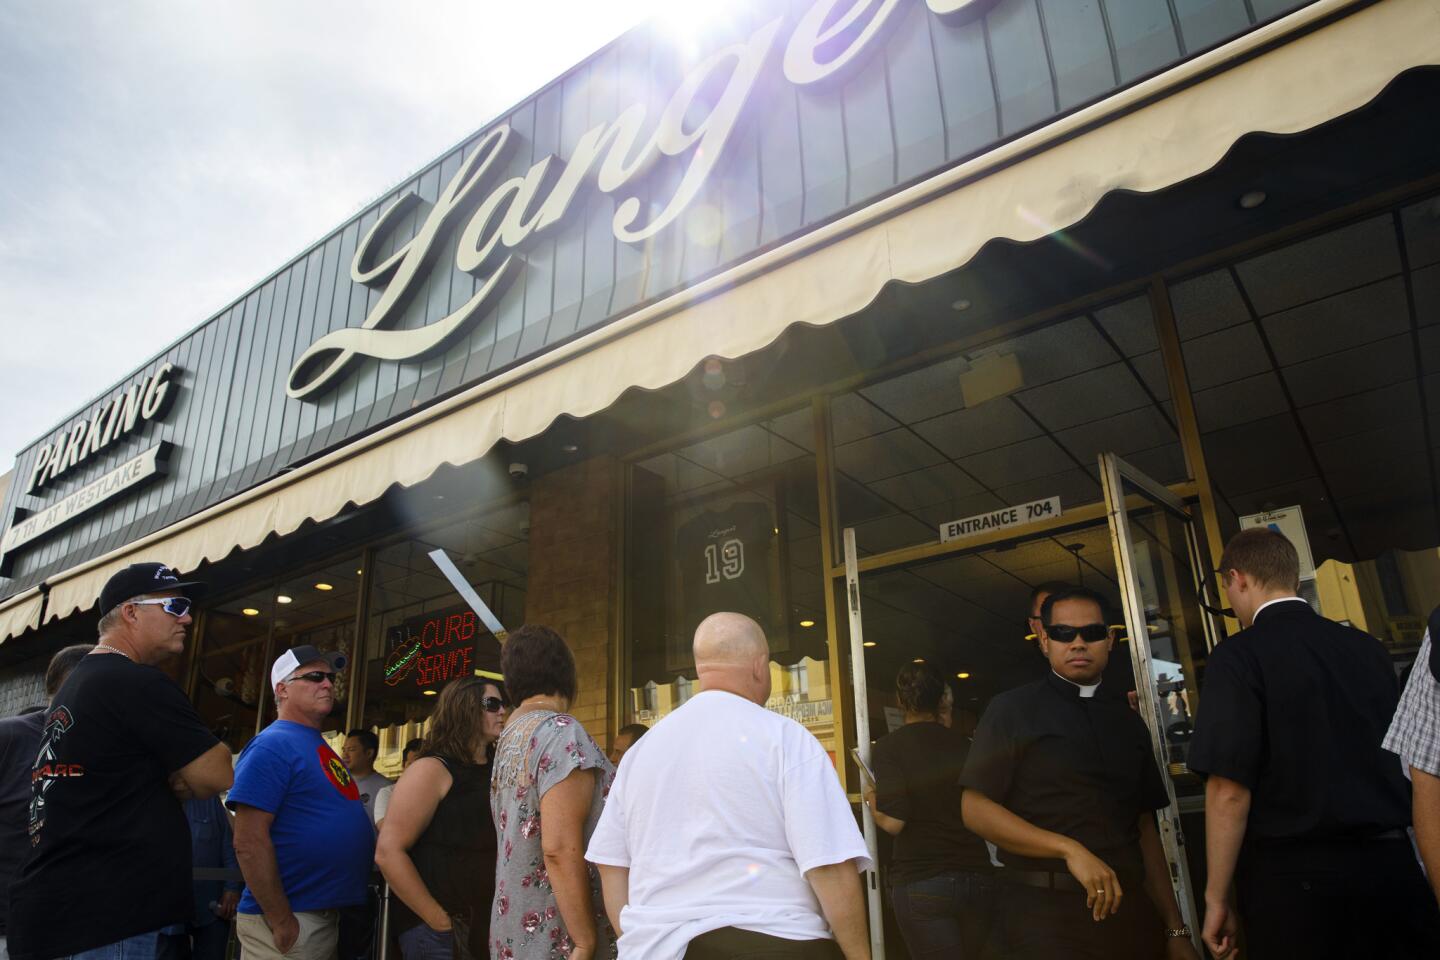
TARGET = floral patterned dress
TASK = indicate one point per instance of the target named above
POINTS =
(538, 750)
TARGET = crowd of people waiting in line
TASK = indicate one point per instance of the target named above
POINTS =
(724, 832)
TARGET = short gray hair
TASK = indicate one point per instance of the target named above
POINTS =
(110, 619)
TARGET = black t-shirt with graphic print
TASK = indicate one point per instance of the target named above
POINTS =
(110, 848)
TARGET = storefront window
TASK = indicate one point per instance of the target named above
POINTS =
(230, 679)
(421, 633)
(729, 523)
(1015, 421)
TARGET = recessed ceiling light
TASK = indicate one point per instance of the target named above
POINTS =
(961, 305)
(807, 623)
(569, 448)
(359, 573)
(963, 676)
(1251, 199)
(282, 599)
(918, 660)
(429, 693)
(250, 612)
(323, 586)
(868, 643)
(439, 496)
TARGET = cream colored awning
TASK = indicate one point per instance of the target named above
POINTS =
(20, 613)
(1160, 132)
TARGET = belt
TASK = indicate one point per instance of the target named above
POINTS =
(1044, 879)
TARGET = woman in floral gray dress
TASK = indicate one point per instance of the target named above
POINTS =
(549, 785)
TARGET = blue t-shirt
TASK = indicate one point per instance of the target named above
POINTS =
(324, 842)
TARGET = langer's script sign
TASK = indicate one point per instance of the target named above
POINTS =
(611, 157)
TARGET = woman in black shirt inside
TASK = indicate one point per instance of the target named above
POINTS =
(941, 880)
(437, 844)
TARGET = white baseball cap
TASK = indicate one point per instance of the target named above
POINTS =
(296, 657)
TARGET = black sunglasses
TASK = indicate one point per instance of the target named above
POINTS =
(1064, 633)
(315, 676)
(492, 704)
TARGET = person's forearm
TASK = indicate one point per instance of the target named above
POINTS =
(1157, 873)
(1426, 793)
(570, 880)
(262, 876)
(405, 882)
(837, 887)
(990, 821)
(1227, 810)
(615, 885)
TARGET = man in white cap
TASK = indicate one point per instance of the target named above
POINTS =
(302, 837)
(109, 861)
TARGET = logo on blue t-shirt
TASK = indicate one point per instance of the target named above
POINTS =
(336, 773)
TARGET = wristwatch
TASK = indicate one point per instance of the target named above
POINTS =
(1178, 933)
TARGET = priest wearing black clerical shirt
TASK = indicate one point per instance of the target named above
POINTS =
(1062, 778)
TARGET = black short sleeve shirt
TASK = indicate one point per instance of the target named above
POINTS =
(917, 769)
(1077, 766)
(110, 846)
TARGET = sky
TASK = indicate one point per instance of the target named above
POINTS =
(157, 159)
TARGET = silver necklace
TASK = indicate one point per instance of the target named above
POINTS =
(103, 645)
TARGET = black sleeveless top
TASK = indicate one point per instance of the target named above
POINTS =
(455, 856)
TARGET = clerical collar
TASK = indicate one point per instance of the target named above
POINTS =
(1083, 690)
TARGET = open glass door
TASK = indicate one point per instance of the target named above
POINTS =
(1159, 562)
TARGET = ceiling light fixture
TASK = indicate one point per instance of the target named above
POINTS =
(963, 676)
(429, 693)
(1251, 199)
(323, 586)
(807, 623)
(868, 643)
(250, 612)
(961, 305)
(359, 573)
(569, 448)
(918, 660)
(282, 599)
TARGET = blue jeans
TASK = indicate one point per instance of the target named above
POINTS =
(422, 943)
(946, 916)
(139, 947)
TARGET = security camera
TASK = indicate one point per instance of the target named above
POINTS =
(519, 471)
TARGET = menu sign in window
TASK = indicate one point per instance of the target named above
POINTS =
(429, 650)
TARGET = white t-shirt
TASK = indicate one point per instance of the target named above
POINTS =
(370, 786)
(382, 802)
(718, 812)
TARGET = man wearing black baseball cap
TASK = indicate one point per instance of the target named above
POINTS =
(302, 836)
(121, 742)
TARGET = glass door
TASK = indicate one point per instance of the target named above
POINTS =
(1159, 562)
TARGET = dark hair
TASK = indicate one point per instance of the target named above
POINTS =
(456, 725)
(62, 663)
(920, 688)
(1264, 554)
(414, 746)
(368, 740)
(635, 730)
(536, 661)
(1073, 593)
(1049, 586)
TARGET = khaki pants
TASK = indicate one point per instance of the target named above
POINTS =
(319, 933)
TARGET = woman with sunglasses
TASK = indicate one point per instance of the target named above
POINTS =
(437, 844)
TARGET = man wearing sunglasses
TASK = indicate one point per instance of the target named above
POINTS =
(1061, 777)
(109, 862)
(302, 836)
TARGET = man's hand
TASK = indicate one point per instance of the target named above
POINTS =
(1179, 948)
(1102, 887)
(1219, 930)
(229, 900)
(285, 932)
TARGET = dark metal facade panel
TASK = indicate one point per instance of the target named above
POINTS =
(929, 92)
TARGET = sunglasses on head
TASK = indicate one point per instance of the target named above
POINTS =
(492, 704)
(314, 676)
(175, 606)
(1090, 633)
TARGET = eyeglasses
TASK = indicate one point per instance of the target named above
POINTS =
(1090, 633)
(492, 704)
(314, 676)
(175, 606)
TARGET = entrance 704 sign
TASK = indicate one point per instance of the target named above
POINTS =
(1017, 516)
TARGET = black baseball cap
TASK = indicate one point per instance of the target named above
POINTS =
(139, 579)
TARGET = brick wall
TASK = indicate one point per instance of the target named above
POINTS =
(571, 587)
(22, 686)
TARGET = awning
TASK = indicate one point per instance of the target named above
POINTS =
(1162, 131)
(20, 613)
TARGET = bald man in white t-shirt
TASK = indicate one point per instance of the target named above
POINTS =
(726, 831)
